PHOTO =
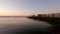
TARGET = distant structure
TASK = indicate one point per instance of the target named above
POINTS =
(46, 15)
(57, 15)
(33, 15)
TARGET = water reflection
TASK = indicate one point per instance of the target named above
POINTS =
(22, 25)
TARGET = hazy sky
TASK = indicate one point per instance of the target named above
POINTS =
(28, 7)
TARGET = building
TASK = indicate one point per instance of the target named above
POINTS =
(46, 15)
(57, 15)
(51, 15)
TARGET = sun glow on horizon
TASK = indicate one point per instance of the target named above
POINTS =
(28, 7)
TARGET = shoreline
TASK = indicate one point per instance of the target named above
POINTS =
(50, 20)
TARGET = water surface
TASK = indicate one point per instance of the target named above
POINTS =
(13, 25)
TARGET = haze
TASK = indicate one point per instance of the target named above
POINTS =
(28, 7)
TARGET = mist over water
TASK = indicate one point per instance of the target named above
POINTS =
(17, 25)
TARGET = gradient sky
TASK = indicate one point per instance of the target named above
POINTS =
(28, 7)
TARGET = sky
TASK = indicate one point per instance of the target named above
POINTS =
(28, 7)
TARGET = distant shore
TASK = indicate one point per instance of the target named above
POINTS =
(12, 16)
(50, 20)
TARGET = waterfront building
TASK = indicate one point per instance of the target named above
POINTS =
(57, 15)
(48, 15)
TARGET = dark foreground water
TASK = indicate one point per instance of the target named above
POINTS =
(22, 26)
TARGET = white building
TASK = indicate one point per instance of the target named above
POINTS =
(57, 15)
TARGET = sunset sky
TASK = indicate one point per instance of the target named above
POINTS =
(28, 7)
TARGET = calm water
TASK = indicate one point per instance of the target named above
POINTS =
(13, 25)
